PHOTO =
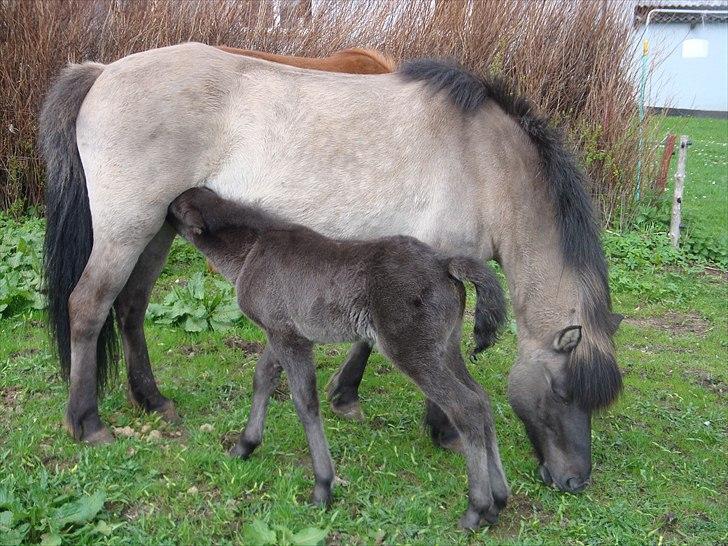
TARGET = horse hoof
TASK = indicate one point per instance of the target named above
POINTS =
(474, 520)
(99, 437)
(454, 444)
(351, 411)
(169, 412)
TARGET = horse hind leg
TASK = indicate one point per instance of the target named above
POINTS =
(498, 482)
(107, 270)
(130, 306)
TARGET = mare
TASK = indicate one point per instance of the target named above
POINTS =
(432, 151)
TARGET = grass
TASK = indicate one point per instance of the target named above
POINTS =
(659, 453)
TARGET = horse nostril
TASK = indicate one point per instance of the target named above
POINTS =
(575, 484)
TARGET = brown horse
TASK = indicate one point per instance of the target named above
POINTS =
(351, 61)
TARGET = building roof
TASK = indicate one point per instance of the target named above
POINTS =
(643, 7)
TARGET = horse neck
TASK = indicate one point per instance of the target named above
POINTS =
(545, 293)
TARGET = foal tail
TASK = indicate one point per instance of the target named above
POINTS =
(490, 308)
(69, 236)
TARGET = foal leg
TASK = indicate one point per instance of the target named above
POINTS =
(267, 374)
(297, 360)
(131, 305)
(498, 482)
(105, 274)
(466, 409)
(343, 387)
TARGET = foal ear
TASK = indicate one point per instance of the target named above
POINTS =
(192, 218)
(567, 339)
(615, 320)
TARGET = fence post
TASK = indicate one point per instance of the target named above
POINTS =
(661, 182)
(679, 185)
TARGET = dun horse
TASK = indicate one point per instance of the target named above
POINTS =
(395, 292)
(430, 151)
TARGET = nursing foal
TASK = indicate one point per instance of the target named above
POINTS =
(395, 292)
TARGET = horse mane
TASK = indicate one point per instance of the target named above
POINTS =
(594, 378)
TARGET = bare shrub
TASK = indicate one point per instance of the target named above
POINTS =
(572, 59)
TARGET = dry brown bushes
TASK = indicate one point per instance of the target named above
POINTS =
(572, 59)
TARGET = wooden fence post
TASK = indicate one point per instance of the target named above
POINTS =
(679, 185)
(661, 181)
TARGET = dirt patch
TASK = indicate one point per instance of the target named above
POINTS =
(135, 511)
(188, 350)
(520, 508)
(282, 392)
(248, 347)
(707, 381)
(10, 397)
(716, 273)
(675, 323)
(25, 353)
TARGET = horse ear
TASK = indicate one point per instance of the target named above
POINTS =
(567, 339)
(614, 321)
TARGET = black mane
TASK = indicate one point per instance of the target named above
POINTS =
(595, 379)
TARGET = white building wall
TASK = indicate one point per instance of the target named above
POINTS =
(677, 82)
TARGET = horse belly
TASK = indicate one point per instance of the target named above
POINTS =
(350, 204)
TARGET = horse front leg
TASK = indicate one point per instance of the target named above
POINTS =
(343, 387)
(131, 305)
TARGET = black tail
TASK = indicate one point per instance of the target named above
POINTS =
(490, 308)
(69, 236)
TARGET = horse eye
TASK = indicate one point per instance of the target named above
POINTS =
(561, 396)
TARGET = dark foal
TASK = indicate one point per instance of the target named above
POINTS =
(395, 292)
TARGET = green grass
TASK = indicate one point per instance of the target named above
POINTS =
(660, 472)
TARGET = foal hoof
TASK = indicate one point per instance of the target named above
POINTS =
(100, 437)
(242, 450)
(322, 496)
(473, 519)
(99, 434)
(351, 411)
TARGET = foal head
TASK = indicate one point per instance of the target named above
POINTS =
(186, 214)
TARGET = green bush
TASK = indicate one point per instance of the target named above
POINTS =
(21, 248)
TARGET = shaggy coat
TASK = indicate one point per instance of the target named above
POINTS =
(395, 292)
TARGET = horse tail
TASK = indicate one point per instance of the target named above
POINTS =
(490, 307)
(69, 235)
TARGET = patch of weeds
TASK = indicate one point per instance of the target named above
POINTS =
(197, 306)
(182, 253)
(21, 247)
(65, 518)
(258, 533)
